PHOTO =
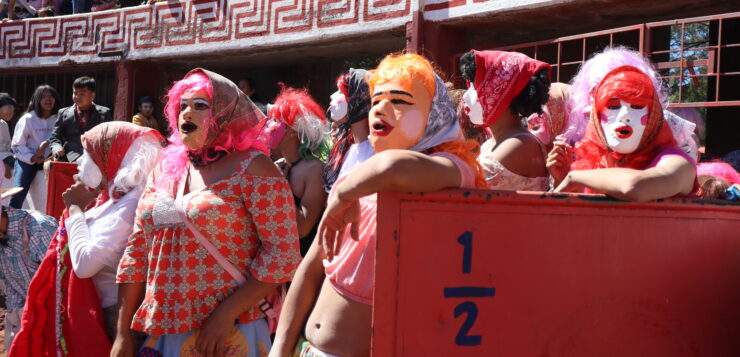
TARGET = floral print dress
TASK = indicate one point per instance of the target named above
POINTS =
(249, 219)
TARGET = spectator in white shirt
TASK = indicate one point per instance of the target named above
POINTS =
(98, 236)
(30, 137)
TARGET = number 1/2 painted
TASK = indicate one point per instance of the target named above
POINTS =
(468, 307)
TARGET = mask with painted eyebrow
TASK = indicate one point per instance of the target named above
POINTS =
(392, 92)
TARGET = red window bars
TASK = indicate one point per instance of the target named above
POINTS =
(697, 58)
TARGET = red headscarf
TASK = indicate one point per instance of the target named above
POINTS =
(62, 315)
(499, 77)
(107, 144)
(633, 86)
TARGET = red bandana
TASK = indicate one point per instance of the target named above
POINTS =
(499, 77)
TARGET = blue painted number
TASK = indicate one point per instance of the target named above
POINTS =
(466, 239)
(462, 338)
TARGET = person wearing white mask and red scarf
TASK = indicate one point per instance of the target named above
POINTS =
(505, 87)
(628, 151)
(73, 296)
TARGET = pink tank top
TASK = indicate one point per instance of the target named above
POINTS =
(352, 271)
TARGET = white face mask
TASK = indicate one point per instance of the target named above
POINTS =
(338, 106)
(623, 126)
(89, 173)
(475, 109)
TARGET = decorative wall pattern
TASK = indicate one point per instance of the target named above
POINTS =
(192, 27)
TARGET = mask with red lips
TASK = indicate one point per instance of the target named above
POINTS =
(626, 127)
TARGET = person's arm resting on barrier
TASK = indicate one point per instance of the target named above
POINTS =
(672, 176)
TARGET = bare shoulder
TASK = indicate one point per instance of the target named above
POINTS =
(261, 165)
(521, 155)
(313, 166)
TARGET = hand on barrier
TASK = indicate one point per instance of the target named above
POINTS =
(338, 214)
(58, 153)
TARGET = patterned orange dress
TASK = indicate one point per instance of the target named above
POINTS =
(249, 219)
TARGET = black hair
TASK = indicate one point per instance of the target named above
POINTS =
(249, 80)
(146, 99)
(84, 82)
(467, 66)
(6, 99)
(35, 103)
(529, 101)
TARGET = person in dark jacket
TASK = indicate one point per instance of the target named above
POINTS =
(77, 119)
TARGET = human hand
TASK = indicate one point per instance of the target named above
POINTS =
(558, 161)
(79, 195)
(123, 345)
(8, 171)
(338, 214)
(283, 165)
(571, 183)
(213, 334)
(58, 153)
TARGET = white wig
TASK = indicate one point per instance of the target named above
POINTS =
(140, 159)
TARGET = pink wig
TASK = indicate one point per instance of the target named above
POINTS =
(235, 137)
(719, 169)
(590, 75)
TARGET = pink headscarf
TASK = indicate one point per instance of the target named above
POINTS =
(551, 123)
(499, 77)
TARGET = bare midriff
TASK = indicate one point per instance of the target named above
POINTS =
(339, 325)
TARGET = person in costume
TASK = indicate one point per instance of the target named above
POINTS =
(24, 238)
(505, 87)
(116, 162)
(628, 151)
(76, 279)
(299, 134)
(348, 109)
(590, 75)
(419, 147)
(214, 234)
(553, 121)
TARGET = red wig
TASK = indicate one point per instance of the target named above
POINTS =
(292, 103)
(343, 84)
(631, 85)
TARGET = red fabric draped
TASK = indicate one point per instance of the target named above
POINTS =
(80, 318)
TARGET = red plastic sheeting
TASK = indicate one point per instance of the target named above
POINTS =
(485, 273)
(61, 177)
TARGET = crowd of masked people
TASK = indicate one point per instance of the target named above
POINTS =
(182, 246)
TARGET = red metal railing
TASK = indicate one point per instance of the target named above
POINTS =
(571, 51)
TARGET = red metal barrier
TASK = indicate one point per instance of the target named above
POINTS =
(60, 179)
(486, 273)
